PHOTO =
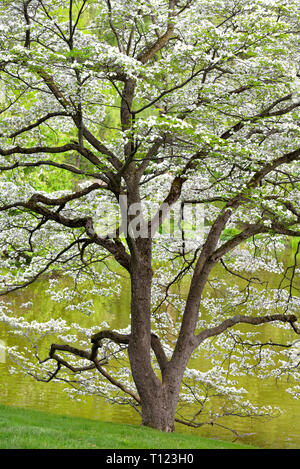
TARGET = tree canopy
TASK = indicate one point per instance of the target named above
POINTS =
(157, 140)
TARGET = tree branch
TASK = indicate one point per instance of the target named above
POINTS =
(239, 319)
(147, 54)
(125, 338)
(38, 122)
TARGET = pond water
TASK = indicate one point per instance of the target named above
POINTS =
(23, 391)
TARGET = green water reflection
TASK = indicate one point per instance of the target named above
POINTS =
(23, 391)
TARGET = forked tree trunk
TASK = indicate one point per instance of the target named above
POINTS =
(159, 403)
(158, 397)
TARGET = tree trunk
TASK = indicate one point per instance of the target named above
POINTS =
(158, 410)
(158, 400)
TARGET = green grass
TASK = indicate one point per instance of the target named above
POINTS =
(31, 429)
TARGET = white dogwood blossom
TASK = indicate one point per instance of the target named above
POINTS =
(153, 144)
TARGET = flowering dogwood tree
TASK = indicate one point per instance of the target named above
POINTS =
(149, 108)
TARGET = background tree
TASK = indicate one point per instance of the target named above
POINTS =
(146, 105)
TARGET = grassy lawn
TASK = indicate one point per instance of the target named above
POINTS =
(31, 429)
